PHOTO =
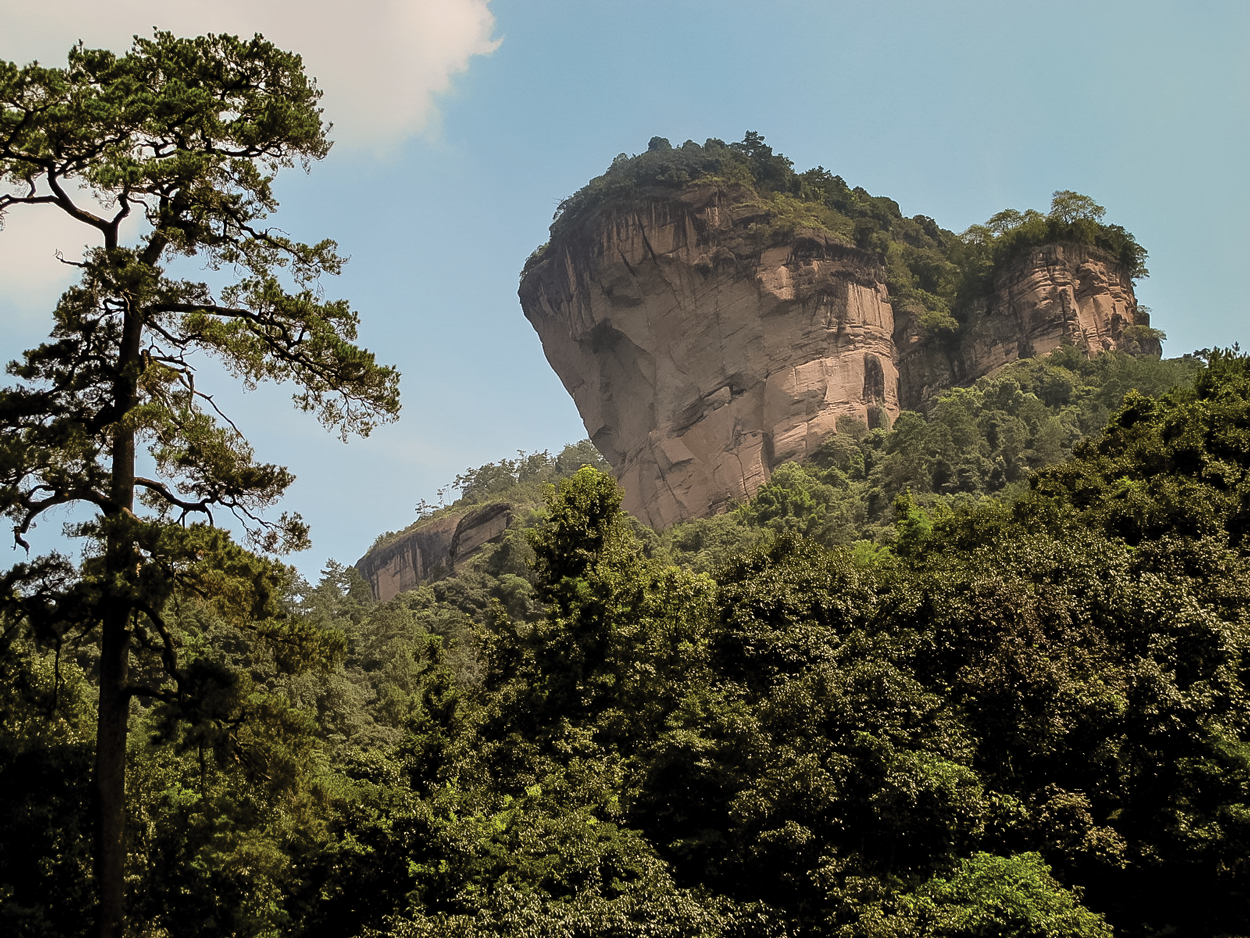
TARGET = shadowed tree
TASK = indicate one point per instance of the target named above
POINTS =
(182, 137)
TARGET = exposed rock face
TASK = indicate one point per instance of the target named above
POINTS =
(697, 370)
(1051, 295)
(699, 361)
(440, 546)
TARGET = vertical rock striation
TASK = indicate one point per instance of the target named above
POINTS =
(703, 345)
(699, 363)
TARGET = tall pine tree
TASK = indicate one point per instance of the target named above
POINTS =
(185, 136)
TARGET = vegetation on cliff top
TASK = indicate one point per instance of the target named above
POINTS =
(521, 482)
(934, 272)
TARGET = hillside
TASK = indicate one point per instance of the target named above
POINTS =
(969, 444)
(1015, 705)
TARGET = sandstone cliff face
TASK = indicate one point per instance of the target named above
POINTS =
(696, 369)
(699, 362)
(440, 546)
(1048, 296)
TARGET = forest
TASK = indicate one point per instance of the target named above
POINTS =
(982, 672)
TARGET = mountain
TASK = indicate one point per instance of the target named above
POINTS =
(714, 314)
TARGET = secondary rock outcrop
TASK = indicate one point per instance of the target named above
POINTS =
(1047, 296)
(700, 359)
(439, 546)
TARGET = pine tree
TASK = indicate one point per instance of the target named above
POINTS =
(185, 135)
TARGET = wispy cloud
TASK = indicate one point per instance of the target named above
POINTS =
(380, 62)
(34, 241)
(31, 278)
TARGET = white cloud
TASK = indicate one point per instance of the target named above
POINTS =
(379, 62)
(30, 276)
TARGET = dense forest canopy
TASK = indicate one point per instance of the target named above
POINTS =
(939, 273)
(896, 693)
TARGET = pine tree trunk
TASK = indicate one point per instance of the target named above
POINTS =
(114, 710)
(110, 774)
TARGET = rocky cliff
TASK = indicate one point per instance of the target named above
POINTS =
(702, 354)
(1047, 296)
(439, 546)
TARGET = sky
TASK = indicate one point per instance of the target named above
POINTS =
(459, 125)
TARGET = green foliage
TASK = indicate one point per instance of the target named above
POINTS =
(1068, 206)
(999, 896)
(913, 527)
(986, 440)
(659, 168)
(520, 482)
(47, 719)
(1024, 717)
(913, 250)
(1010, 700)
(1175, 464)
(705, 545)
(622, 635)
(497, 479)
(1073, 218)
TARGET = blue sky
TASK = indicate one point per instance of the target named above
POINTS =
(460, 124)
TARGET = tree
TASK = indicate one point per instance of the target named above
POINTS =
(1001, 896)
(622, 638)
(1068, 206)
(185, 134)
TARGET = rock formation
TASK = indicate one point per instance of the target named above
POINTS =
(1047, 296)
(440, 546)
(700, 359)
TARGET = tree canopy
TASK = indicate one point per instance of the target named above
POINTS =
(1013, 708)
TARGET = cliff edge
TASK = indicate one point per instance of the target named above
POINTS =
(704, 343)
(1044, 297)
(440, 546)
(697, 363)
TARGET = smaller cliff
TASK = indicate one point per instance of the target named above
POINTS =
(438, 547)
(502, 495)
(1042, 297)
